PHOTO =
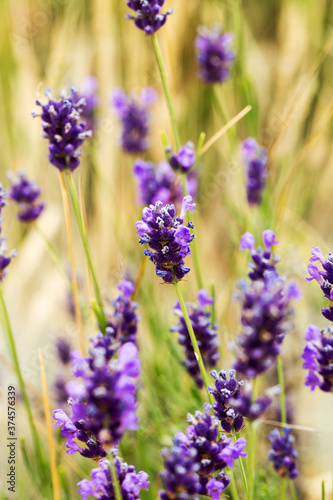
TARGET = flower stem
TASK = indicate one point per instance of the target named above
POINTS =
(115, 480)
(232, 486)
(193, 340)
(80, 225)
(139, 277)
(242, 469)
(251, 461)
(75, 288)
(54, 472)
(163, 73)
(283, 414)
(12, 347)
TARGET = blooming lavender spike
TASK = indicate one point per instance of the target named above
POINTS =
(168, 239)
(149, 17)
(104, 406)
(318, 358)
(266, 318)
(205, 332)
(283, 454)
(124, 319)
(255, 160)
(184, 160)
(25, 193)
(324, 278)
(215, 55)
(263, 261)
(101, 485)
(134, 113)
(5, 257)
(226, 388)
(64, 129)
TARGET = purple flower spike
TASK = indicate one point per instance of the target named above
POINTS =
(263, 261)
(25, 193)
(324, 278)
(283, 454)
(215, 55)
(205, 333)
(134, 113)
(149, 17)
(167, 238)
(255, 160)
(184, 159)
(5, 257)
(101, 486)
(64, 129)
(318, 358)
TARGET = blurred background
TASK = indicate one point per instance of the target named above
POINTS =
(284, 71)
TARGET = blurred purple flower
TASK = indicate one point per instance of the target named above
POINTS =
(255, 160)
(283, 454)
(25, 193)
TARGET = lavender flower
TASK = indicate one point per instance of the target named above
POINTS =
(5, 257)
(263, 260)
(149, 17)
(184, 160)
(283, 454)
(63, 350)
(3, 201)
(226, 389)
(101, 486)
(134, 113)
(160, 183)
(318, 358)
(205, 333)
(324, 278)
(255, 161)
(124, 320)
(105, 405)
(63, 127)
(25, 193)
(168, 239)
(253, 409)
(266, 309)
(191, 464)
(215, 55)
(266, 319)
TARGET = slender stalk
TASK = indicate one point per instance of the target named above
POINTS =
(54, 472)
(140, 276)
(251, 461)
(85, 242)
(75, 288)
(293, 490)
(242, 469)
(163, 73)
(323, 490)
(12, 347)
(232, 486)
(115, 480)
(193, 340)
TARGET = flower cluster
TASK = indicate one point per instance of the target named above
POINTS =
(5, 257)
(184, 160)
(149, 17)
(266, 310)
(205, 333)
(226, 388)
(215, 55)
(255, 160)
(124, 319)
(25, 193)
(104, 406)
(318, 358)
(324, 278)
(101, 486)
(283, 454)
(168, 239)
(134, 113)
(64, 129)
(191, 464)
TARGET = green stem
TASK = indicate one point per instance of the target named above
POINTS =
(163, 73)
(12, 347)
(251, 461)
(232, 486)
(193, 340)
(293, 490)
(242, 469)
(283, 391)
(80, 225)
(115, 480)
